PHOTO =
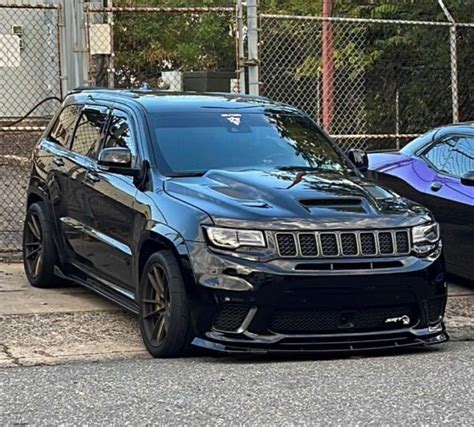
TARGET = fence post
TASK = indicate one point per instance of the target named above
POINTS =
(454, 61)
(328, 67)
(240, 47)
(111, 64)
(252, 37)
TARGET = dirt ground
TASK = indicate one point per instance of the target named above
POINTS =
(69, 324)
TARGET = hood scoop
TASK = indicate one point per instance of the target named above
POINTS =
(344, 204)
(332, 203)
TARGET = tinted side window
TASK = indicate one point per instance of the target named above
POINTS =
(120, 133)
(89, 131)
(64, 126)
(461, 159)
(438, 154)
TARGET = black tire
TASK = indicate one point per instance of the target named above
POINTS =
(163, 307)
(39, 251)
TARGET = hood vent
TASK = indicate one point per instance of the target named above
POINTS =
(332, 203)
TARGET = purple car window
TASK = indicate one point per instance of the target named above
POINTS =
(438, 154)
(461, 157)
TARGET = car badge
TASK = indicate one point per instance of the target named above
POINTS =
(404, 320)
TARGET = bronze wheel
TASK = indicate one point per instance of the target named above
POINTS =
(156, 305)
(33, 245)
(163, 307)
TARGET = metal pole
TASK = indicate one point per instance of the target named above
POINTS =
(328, 67)
(397, 117)
(252, 37)
(110, 68)
(240, 47)
(454, 73)
(454, 62)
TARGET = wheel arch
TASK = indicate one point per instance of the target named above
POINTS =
(160, 238)
(33, 198)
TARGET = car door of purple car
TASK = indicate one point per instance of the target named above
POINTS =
(429, 171)
(451, 201)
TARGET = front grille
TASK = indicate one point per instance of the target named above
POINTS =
(346, 243)
(336, 320)
(403, 243)
(329, 246)
(349, 244)
(386, 243)
(367, 241)
(286, 244)
(230, 317)
(308, 244)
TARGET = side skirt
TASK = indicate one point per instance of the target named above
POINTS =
(112, 292)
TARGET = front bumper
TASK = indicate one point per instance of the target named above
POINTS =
(283, 310)
(324, 343)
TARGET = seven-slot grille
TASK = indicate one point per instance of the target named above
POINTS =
(343, 243)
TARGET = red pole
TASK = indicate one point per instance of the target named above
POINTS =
(328, 67)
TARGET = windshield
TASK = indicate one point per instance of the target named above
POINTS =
(193, 143)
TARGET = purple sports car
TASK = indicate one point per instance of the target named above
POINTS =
(437, 170)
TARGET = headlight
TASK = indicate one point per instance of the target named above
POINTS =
(425, 238)
(232, 239)
(426, 233)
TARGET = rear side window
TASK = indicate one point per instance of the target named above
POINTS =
(64, 126)
(461, 158)
(438, 154)
(120, 133)
(89, 131)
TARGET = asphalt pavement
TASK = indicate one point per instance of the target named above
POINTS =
(430, 387)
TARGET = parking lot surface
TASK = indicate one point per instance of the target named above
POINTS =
(430, 387)
(54, 326)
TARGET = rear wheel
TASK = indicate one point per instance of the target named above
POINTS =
(39, 252)
(164, 313)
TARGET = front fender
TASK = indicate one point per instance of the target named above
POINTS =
(158, 237)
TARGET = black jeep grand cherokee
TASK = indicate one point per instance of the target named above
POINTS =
(229, 222)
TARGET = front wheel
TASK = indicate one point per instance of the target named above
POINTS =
(164, 314)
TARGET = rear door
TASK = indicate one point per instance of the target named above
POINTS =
(60, 166)
(451, 202)
(109, 207)
(78, 160)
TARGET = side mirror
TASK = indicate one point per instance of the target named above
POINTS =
(359, 158)
(117, 160)
(468, 179)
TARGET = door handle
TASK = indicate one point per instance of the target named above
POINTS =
(436, 186)
(58, 161)
(92, 177)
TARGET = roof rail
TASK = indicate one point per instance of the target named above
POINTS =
(125, 92)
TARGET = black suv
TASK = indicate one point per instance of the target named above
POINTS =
(229, 222)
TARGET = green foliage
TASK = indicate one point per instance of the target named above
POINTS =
(408, 60)
(147, 43)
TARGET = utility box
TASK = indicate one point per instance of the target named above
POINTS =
(208, 81)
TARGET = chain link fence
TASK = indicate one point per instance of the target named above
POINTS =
(387, 81)
(166, 47)
(29, 74)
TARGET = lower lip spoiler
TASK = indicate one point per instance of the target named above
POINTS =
(346, 344)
